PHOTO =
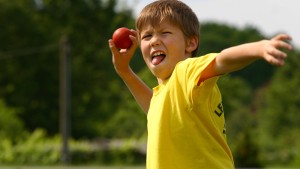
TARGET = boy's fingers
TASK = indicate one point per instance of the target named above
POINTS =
(134, 41)
(114, 50)
(286, 45)
(112, 46)
(134, 32)
(282, 44)
(275, 61)
(276, 54)
(283, 37)
(282, 40)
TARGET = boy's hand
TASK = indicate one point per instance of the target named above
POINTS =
(121, 57)
(272, 50)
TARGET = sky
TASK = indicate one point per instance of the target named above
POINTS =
(268, 16)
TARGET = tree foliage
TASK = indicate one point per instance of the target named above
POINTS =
(30, 52)
(279, 125)
(11, 126)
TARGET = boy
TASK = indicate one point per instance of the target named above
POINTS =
(186, 125)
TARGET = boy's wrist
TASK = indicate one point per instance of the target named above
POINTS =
(260, 47)
(124, 72)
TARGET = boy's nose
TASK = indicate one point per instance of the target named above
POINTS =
(155, 41)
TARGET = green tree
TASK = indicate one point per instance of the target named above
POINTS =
(129, 121)
(279, 119)
(29, 66)
(11, 127)
(240, 120)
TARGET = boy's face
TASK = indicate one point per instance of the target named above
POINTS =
(163, 46)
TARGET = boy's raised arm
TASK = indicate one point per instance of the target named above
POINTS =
(238, 57)
(121, 59)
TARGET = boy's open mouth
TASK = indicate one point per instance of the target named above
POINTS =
(157, 58)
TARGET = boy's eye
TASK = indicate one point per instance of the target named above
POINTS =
(146, 36)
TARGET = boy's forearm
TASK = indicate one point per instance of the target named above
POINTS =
(140, 91)
(238, 57)
(121, 58)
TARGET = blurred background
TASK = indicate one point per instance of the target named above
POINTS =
(61, 102)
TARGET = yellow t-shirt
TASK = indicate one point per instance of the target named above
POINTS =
(186, 125)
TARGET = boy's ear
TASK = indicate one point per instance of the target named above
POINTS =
(192, 44)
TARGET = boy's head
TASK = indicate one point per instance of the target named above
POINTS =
(173, 11)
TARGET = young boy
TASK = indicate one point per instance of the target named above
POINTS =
(186, 125)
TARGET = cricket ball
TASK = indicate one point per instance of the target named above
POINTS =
(121, 38)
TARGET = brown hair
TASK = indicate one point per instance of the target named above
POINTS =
(175, 12)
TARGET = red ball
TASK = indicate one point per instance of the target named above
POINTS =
(121, 38)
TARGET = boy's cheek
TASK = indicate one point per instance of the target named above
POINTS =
(145, 50)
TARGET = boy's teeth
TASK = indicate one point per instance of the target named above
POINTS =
(157, 54)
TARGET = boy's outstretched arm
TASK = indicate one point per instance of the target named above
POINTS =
(121, 59)
(238, 57)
